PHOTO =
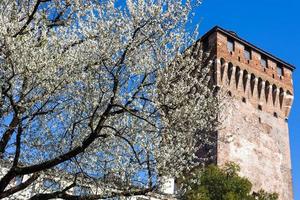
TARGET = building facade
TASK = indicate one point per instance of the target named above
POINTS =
(254, 131)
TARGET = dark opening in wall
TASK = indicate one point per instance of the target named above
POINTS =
(229, 93)
(281, 97)
(229, 71)
(267, 90)
(252, 83)
(237, 75)
(244, 99)
(259, 120)
(259, 86)
(259, 107)
(222, 68)
(275, 114)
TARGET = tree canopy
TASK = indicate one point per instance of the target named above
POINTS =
(91, 95)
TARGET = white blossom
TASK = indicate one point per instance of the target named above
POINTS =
(103, 89)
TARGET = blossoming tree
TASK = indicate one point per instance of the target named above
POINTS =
(99, 92)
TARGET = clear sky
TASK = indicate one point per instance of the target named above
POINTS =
(273, 25)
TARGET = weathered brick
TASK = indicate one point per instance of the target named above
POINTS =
(260, 142)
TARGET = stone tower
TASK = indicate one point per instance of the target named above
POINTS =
(255, 131)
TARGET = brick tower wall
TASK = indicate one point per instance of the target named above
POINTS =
(254, 131)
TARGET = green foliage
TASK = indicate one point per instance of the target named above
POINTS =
(214, 183)
(262, 195)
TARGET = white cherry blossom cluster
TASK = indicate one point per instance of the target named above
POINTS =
(102, 90)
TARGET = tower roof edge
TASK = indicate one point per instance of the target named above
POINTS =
(233, 35)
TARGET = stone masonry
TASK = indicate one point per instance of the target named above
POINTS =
(254, 131)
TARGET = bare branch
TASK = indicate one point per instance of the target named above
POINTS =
(19, 187)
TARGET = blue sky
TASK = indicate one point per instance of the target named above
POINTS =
(273, 25)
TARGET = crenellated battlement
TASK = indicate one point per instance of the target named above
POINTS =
(250, 73)
(251, 87)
